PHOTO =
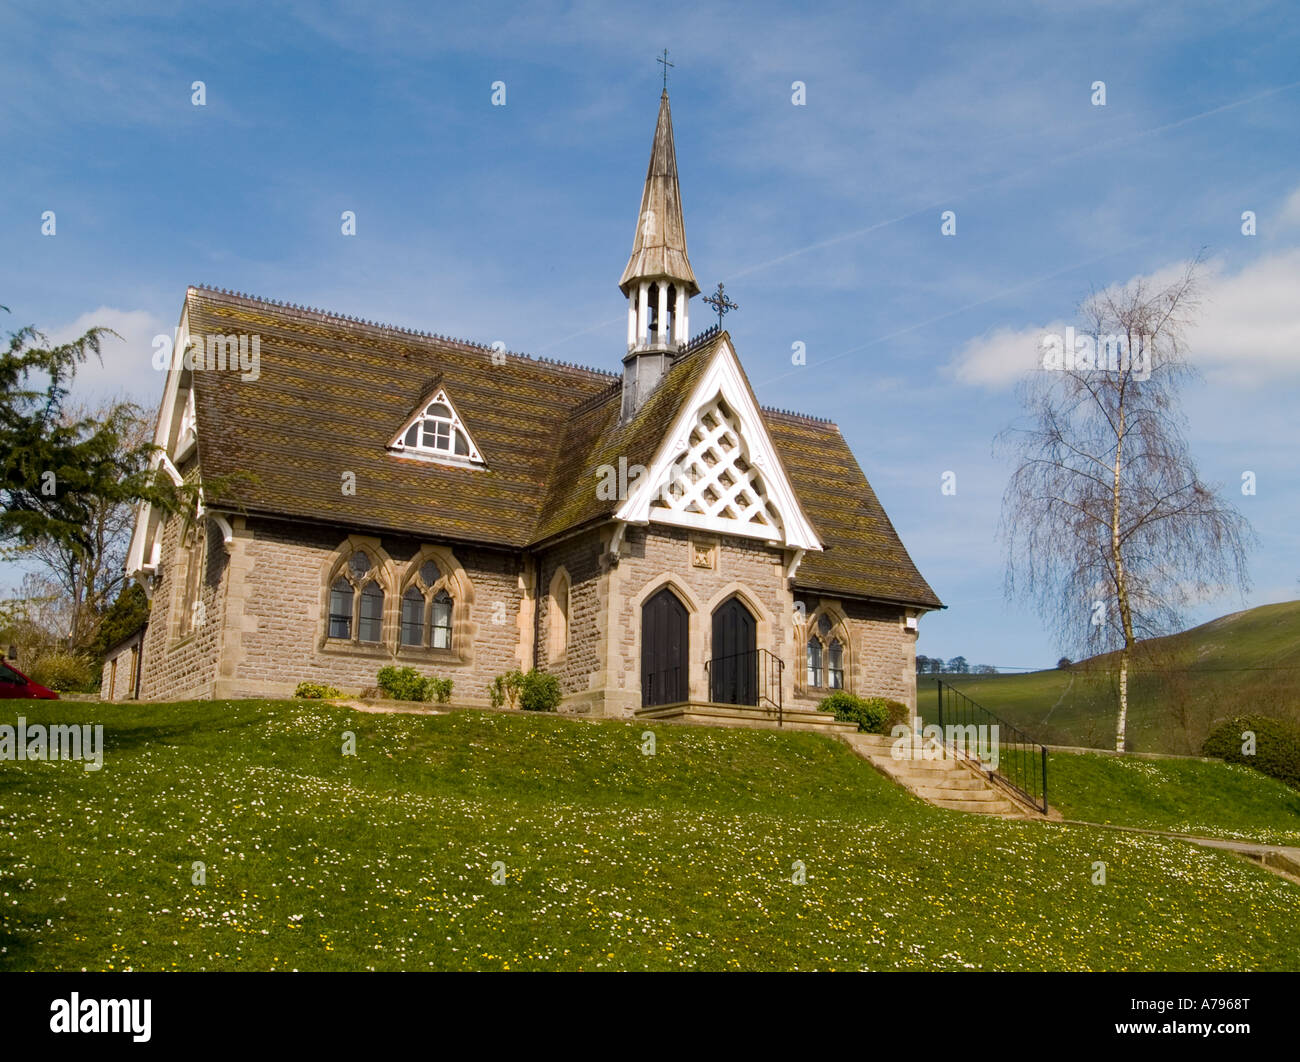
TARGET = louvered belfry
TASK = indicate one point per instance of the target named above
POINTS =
(658, 280)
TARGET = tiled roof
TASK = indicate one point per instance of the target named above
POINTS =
(333, 391)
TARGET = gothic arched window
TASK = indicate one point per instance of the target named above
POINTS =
(194, 544)
(557, 615)
(356, 600)
(828, 644)
(427, 608)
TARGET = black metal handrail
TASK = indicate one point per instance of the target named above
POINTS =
(1025, 770)
(755, 673)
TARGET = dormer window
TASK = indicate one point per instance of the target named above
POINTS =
(436, 432)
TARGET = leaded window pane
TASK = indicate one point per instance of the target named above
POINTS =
(341, 609)
(360, 563)
(370, 626)
(441, 625)
(413, 617)
(429, 573)
(814, 662)
(835, 665)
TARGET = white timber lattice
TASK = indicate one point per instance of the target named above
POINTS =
(714, 484)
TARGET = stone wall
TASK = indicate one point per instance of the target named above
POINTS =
(117, 679)
(704, 570)
(265, 602)
(279, 602)
(881, 657)
(581, 660)
(180, 667)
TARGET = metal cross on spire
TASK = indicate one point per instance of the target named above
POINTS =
(666, 65)
(719, 301)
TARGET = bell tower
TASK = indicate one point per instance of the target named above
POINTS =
(658, 280)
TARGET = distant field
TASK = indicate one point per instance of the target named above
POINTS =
(609, 858)
(1245, 662)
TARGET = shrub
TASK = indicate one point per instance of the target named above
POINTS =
(63, 671)
(315, 691)
(407, 684)
(870, 715)
(897, 714)
(401, 684)
(505, 689)
(539, 692)
(1277, 746)
(1064, 664)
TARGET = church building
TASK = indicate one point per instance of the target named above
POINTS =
(375, 496)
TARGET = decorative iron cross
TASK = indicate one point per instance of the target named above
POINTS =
(666, 65)
(721, 303)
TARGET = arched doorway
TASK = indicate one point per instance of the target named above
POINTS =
(733, 670)
(665, 643)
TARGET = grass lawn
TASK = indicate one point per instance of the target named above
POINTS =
(1184, 796)
(613, 859)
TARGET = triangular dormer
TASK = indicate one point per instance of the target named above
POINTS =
(435, 432)
(718, 469)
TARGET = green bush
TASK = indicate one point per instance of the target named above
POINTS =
(505, 689)
(898, 714)
(1277, 746)
(407, 684)
(315, 691)
(874, 715)
(401, 684)
(539, 692)
(64, 671)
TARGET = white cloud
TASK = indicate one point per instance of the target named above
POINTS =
(1291, 209)
(127, 362)
(1247, 332)
(999, 358)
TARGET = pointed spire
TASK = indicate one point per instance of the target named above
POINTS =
(659, 249)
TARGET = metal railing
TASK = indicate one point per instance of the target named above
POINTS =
(752, 677)
(1021, 762)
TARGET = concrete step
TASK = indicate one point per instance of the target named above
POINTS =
(972, 796)
(945, 782)
(1000, 808)
(915, 766)
(956, 782)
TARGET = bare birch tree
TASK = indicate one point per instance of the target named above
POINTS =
(1110, 531)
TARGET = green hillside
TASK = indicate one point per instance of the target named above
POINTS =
(610, 858)
(1244, 662)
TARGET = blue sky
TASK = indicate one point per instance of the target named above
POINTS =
(514, 223)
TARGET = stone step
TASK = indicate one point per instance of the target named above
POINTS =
(915, 766)
(976, 796)
(1000, 808)
(956, 782)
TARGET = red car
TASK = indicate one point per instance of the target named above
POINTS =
(13, 683)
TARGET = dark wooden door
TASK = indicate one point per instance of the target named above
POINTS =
(733, 670)
(665, 641)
